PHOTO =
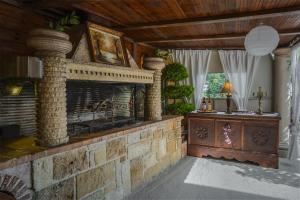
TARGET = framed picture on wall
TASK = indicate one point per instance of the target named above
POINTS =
(107, 45)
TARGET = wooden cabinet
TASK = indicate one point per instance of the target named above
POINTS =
(241, 137)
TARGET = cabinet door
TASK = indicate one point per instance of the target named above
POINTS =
(201, 131)
(261, 137)
(229, 134)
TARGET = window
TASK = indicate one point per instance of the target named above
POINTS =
(213, 85)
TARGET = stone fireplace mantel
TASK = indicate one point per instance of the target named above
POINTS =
(108, 73)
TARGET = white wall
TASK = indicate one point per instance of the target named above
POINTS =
(263, 78)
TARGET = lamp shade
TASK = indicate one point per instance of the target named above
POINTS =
(261, 40)
(227, 87)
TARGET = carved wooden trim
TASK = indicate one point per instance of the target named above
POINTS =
(104, 72)
(265, 160)
(260, 138)
(201, 132)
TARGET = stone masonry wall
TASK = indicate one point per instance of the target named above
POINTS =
(110, 169)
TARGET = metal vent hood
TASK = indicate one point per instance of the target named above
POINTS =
(20, 67)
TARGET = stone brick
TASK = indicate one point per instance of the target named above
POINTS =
(94, 179)
(126, 178)
(115, 148)
(69, 163)
(171, 146)
(162, 148)
(98, 154)
(136, 172)
(155, 146)
(110, 187)
(42, 173)
(22, 171)
(146, 134)
(177, 124)
(152, 172)
(165, 162)
(149, 160)
(139, 149)
(98, 195)
(174, 157)
(89, 181)
(157, 134)
(109, 171)
(134, 137)
(171, 135)
(63, 190)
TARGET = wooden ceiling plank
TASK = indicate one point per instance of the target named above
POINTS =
(261, 14)
(215, 37)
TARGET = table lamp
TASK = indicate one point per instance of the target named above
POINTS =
(227, 88)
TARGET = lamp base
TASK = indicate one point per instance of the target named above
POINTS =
(228, 100)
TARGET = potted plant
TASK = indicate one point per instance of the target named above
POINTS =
(174, 94)
(53, 41)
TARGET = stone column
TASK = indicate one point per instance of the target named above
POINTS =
(153, 91)
(282, 94)
(51, 47)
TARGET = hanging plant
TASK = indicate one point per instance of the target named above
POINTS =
(65, 22)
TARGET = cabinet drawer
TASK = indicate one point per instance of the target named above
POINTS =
(261, 137)
(229, 134)
(201, 132)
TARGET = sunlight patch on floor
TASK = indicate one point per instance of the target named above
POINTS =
(244, 178)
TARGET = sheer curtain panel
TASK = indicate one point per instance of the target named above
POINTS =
(239, 67)
(294, 150)
(196, 62)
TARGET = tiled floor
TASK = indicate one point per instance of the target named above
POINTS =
(200, 178)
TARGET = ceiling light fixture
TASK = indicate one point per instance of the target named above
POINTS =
(261, 40)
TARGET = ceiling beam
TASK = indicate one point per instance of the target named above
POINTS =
(261, 14)
(215, 37)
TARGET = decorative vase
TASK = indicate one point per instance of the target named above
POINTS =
(154, 63)
(48, 42)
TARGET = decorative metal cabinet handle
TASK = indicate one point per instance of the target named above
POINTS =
(201, 132)
(260, 138)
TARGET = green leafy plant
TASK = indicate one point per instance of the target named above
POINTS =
(162, 54)
(180, 108)
(65, 22)
(176, 72)
(178, 91)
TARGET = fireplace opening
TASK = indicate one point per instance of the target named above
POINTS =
(94, 106)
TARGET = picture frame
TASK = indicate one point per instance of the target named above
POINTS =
(106, 45)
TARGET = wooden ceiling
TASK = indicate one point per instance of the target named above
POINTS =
(185, 23)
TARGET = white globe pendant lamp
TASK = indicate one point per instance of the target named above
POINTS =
(261, 40)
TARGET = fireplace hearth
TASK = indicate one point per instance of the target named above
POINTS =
(94, 106)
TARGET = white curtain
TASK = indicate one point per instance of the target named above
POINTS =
(239, 67)
(196, 63)
(294, 150)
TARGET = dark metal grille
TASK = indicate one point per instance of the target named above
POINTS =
(93, 106)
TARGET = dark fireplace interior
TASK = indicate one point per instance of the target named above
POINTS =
(94, 106)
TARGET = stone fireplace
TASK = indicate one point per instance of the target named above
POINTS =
(84, 150)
